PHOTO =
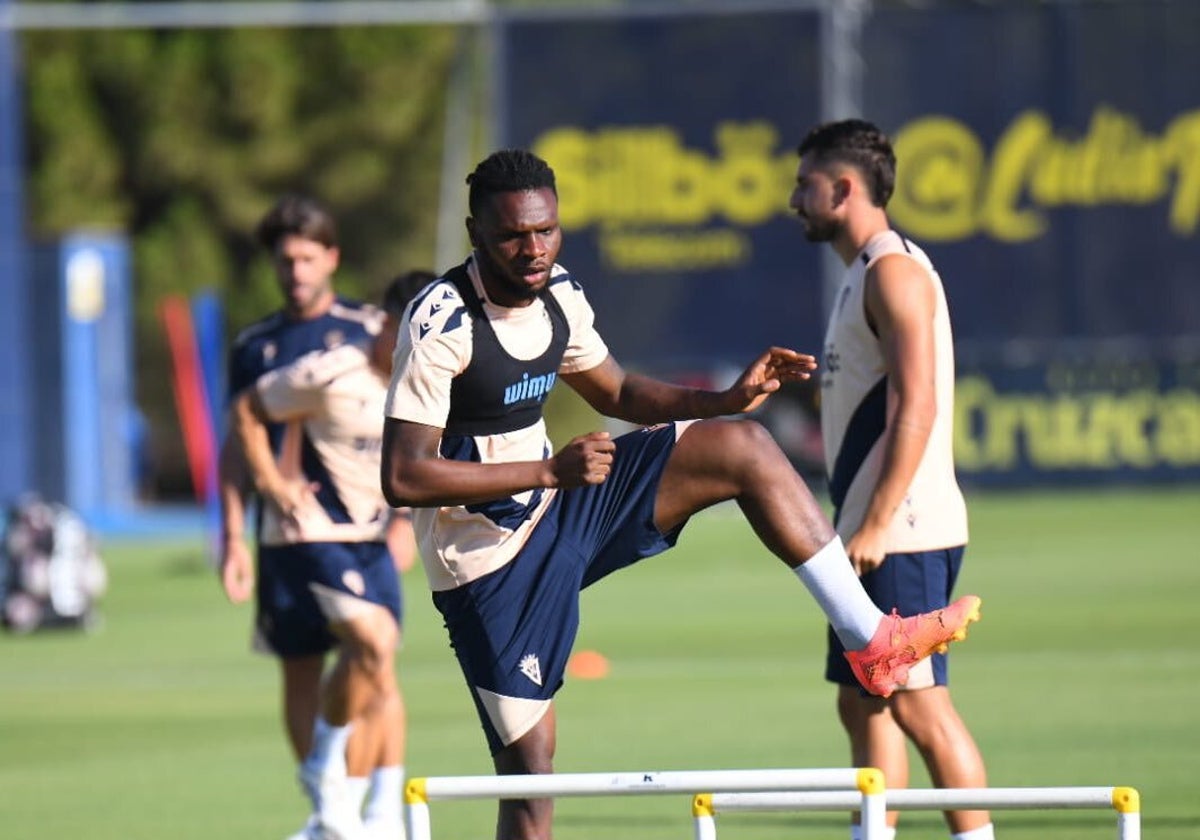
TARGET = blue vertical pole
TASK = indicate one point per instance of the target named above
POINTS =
(208, 318)
(119, 421)
(97, 378)
(81, 275)
(16, 427)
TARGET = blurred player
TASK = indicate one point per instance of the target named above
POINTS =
(510, 531)
(887, 404)
(301, 236)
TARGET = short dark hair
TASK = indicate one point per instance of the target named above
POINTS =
(508, 170)
(403, 288)
(856, 143)
(297, 215)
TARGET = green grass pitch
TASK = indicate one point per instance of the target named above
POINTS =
(1084, 671)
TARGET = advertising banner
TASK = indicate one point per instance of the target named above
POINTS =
(673, 141)
(1049, 162)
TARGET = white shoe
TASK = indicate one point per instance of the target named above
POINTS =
(335, 815)
(309, 832)
(384, 830)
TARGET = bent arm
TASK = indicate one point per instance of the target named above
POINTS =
(250, 431)
(415, 475)
(613, 392)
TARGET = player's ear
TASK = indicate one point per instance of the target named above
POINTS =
(842, 187)
(472, 233)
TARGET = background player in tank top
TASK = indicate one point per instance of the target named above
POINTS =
(887, 401)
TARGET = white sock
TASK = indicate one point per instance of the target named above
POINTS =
(329, 745)
(357, 786)
(856, 832)
(984, 832)
(830, 577)
(387, 788)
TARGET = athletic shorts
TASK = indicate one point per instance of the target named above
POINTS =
(911, 582)
(299, 586)
(512, 630)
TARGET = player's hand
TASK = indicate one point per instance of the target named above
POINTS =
(237, 570)
(867, 548)
(291, 501)
(587, 459)
(767, 374)
(400, 541)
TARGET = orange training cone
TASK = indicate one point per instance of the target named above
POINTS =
(587, 665)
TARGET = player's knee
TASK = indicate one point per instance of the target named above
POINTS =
(378, 661)
(742, 442)
(926, 715)
(372, 655)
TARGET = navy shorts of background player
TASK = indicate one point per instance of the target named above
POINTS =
(294, 579)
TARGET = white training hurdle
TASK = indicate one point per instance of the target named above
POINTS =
(865, 784)
(1124, 800)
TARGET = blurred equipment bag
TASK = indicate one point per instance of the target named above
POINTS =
(51, 574)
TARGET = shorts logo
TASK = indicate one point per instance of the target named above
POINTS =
(531, 667)
(352, 579)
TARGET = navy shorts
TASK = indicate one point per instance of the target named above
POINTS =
(512, 630)
(289, 619)
(911, 582)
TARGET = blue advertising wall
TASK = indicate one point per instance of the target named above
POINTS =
(672, 138)
(1049, 160)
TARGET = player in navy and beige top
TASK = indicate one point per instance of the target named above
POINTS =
(306, 392)
(511, 530)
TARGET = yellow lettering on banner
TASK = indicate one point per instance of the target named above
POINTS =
(1011, 169)
(1179, 428)
(946, 188)
(750, 175)
(1183, 154)
(649, 195)
(995, 444)
(643, 180)
(1138, 429)
(632, 250)
(938, 178)
(644, 175)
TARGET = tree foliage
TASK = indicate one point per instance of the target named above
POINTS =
(183, 139)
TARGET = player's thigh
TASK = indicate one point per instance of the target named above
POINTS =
(289, 622)
(716, 460)
(302, 674)
(358, 590)
(370, 631)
